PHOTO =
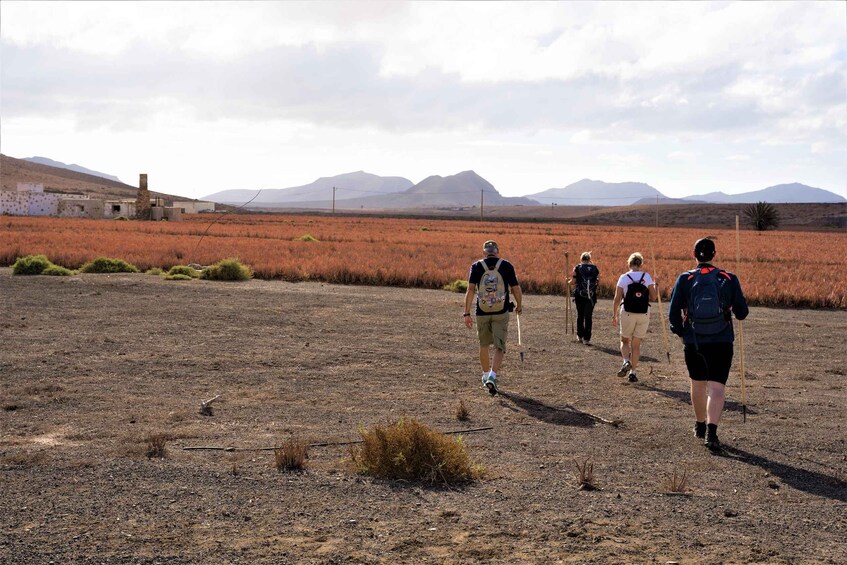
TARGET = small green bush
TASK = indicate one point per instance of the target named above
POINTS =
(227, 270)
(409, 450)
(57, 271)
(30, 265)
(154, 271)
(107, 265)
(190, 272)
(178, 277)
(457, 286)
(122, 218)
(306, 237)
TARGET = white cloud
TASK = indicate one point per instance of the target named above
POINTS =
(548, 88)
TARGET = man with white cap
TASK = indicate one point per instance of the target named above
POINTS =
(490, 282)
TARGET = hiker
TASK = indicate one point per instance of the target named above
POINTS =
(490, 281)
(702, 305)
(633, 294)
(584, 281)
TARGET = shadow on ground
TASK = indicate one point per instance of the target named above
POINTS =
(685, 397)
(811, 482)
(558, 415)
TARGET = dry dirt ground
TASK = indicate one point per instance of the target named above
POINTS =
(90, 365)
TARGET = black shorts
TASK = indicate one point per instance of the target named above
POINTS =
(709, 361)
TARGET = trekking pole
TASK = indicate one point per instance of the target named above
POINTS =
(520, 345)
(567, 294)
(740, 324)
(661, 314)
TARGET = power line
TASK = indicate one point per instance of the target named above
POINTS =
(556, 198)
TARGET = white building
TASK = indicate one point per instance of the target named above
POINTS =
(194, 206)
(29, 199)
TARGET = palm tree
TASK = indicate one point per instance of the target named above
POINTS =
(762, 215)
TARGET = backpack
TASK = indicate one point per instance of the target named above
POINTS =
(491, 292)
(637, 298)
(707, 312)
(587, 285)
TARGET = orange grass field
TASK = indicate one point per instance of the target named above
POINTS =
(778, 268)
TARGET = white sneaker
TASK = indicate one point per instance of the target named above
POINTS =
(580, 340)
(491, 385)
(625, 369)
(586, 342)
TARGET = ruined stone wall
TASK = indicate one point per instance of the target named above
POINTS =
(27, 203)
(80, 208)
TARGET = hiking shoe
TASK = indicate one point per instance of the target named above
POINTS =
(580, 340)
(491, 385)
(484, 378)
(700, 430)
(586, 342)
(712, 442)
(625, 368)
(633, 378)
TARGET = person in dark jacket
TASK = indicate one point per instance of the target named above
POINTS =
(701, 309)
(584, 280)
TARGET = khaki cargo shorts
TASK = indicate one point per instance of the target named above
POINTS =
(492, 330)
(634, 325)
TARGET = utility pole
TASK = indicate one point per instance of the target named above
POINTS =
(333, 200)
(657, 210)
(481, 205)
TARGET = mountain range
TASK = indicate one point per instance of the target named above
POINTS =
(363, 190)
(75, 168)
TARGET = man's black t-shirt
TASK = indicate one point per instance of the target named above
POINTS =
(507, 271)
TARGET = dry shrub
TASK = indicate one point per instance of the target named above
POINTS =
(31, 265)
(156, 445)
(458, 285)
(462, 412)
(227, 270)
(677, 484)
(409, 450)
(291, 455)
(585, 475)
(108, 265)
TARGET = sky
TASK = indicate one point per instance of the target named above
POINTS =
(689, 97)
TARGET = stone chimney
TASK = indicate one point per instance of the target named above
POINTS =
(142, 202)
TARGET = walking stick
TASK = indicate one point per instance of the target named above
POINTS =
(520, 345)
(661, 314)
(567, 295)
(740, 324)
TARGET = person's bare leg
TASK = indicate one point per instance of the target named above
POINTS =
(636, 352)
(714, 406)
(484, 359)
(699, 391)
(625, 348)
(498, 360)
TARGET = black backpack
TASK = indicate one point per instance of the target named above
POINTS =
(586, 286)
(707, 313)
(637, 298)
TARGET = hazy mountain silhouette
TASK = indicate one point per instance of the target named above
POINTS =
(794, 193)
(75, 168)
(464, 189)
(589, 192)
(348, 185)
